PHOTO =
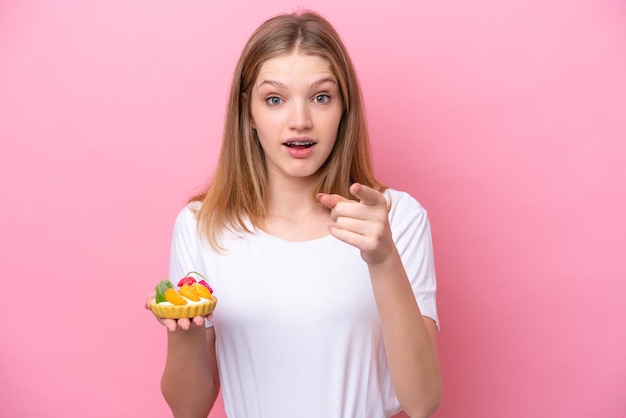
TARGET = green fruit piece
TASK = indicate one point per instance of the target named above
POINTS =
(160, 290)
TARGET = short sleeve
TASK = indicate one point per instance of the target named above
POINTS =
(186, 249)
(184, 243)
(412, 234)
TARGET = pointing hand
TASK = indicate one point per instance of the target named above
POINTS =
(363, 223)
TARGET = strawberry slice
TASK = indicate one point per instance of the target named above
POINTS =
(205, 284)
(186, 280)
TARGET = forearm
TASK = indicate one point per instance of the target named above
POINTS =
(409, 343)
(190, 382)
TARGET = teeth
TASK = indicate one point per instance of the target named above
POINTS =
(299, 143)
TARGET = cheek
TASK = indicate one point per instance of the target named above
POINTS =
(328, 120)
(258, 117)
(266, 121)
(338, 113)
(336, 123)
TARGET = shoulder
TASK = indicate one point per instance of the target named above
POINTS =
(186, 219)
(406, 214)
(191, 223)
(189, 212)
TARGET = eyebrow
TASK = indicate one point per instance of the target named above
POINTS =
(315, 84)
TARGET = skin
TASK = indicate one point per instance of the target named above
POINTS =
(295, 96)
(410, 339)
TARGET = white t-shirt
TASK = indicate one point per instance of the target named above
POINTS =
(297, 329)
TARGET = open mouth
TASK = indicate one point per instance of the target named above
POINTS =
(299, 144)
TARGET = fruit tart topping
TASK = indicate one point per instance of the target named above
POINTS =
(187, 289)
(187, 280)
(160, 290)
(174, 297)
(205, 284)
(189, 292)
(203, 291)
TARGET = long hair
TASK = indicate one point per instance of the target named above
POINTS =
(236, 197)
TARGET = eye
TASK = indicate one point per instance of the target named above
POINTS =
(273, 100)
(322, 98)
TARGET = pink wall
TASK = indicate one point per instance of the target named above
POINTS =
(506, 119)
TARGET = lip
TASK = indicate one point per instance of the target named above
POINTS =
(299, 147)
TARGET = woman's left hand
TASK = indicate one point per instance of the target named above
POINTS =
(363, 223)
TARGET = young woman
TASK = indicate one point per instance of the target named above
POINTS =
(325, 278)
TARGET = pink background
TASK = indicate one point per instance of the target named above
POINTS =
(507, 120)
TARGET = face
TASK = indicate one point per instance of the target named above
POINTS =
(296, 108)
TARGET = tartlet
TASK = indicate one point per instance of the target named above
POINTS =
(188, 299)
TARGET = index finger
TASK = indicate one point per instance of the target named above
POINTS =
(367, 195)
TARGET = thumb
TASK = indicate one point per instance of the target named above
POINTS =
(330, 200)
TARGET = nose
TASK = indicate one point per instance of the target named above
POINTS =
(300, 118)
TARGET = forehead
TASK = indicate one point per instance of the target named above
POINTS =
(295, 67)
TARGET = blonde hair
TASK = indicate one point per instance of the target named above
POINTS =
(236, 197)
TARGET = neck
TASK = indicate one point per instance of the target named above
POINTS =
(294, 213)
(292, 198)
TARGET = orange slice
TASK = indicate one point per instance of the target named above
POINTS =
(174, 298)
(201, 290)
(190, 293)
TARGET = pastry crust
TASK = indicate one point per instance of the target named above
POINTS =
(183, 311)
